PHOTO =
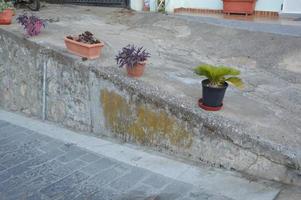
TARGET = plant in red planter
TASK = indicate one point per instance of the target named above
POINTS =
(214, 87)
(32, 24)
(239, 6)
(84, 45)
(6, 12)
(134, 59)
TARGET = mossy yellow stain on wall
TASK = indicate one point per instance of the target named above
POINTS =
(142, 123)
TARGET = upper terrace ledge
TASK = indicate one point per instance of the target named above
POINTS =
(264, 117)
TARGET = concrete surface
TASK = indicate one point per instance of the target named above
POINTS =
(278, 25)
(43, 161)
(261, 122)
(290, 193)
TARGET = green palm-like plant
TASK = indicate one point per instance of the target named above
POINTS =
(219, 75)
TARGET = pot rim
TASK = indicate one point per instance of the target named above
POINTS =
(139, 64)
(206, 81)
(101, 44)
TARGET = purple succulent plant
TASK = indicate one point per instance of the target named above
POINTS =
(32, 24)
(131, 55)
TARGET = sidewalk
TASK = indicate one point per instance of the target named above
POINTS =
(281, 26)
(42, 161)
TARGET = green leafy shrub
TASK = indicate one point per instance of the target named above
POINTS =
(219, 75)
(4, 5)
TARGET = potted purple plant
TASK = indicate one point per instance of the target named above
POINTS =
(134, 59)
(32, 24)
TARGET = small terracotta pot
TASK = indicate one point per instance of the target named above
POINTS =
(6, 16)
(90, 51)
(137, 70)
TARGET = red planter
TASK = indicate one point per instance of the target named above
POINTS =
(6, 16)
(90, 51)
(136, 70)
(239, 6)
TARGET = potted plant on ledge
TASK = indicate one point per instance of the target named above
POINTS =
(32, 24)
(134, 59)
(84, 45)
(6, 12)
(239, 6)
(214, 87)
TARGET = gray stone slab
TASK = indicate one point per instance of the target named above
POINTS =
(28, 176)
(3, 123)
(71, 155)
(175, 190)
(11, 138)
(65, 185)
(129, 180)
(104, 194)
(157, 181)
(90, 157)
(24, 166)
(98, 166)
(8, 130)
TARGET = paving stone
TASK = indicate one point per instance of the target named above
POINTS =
(157, 181)
(2, 168)
(75, 165)
(71, 155)
(65, 185)
(175, 190)
(98, 166)
(50, 177)
(11, 138)
(90, 157)
(199, 194)
(144, 191)
(129, 180)
(104, 194)
(51, 145)
(93, 185)
(3, 123)
(9, 130)
(104, 178)
(68, 147)
(32, 174)
(24, 166)
(36, 196)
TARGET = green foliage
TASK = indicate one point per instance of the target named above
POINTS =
(4, 5)
(219, 75)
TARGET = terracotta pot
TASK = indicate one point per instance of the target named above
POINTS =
(137, 70)
(90, 51)
(239, 6)
(6, 16)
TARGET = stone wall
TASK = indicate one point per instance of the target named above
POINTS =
(100, 100)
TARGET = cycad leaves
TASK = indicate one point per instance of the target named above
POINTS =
(235, 81)
(216, 75)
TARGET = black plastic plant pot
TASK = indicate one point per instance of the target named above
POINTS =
(213, 97)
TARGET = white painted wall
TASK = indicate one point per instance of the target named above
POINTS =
(292, 6)
(137, 4)
(269, 5)
(261, 5)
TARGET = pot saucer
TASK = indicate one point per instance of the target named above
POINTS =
(208, 108)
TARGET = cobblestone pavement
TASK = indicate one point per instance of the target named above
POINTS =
(34, 166)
